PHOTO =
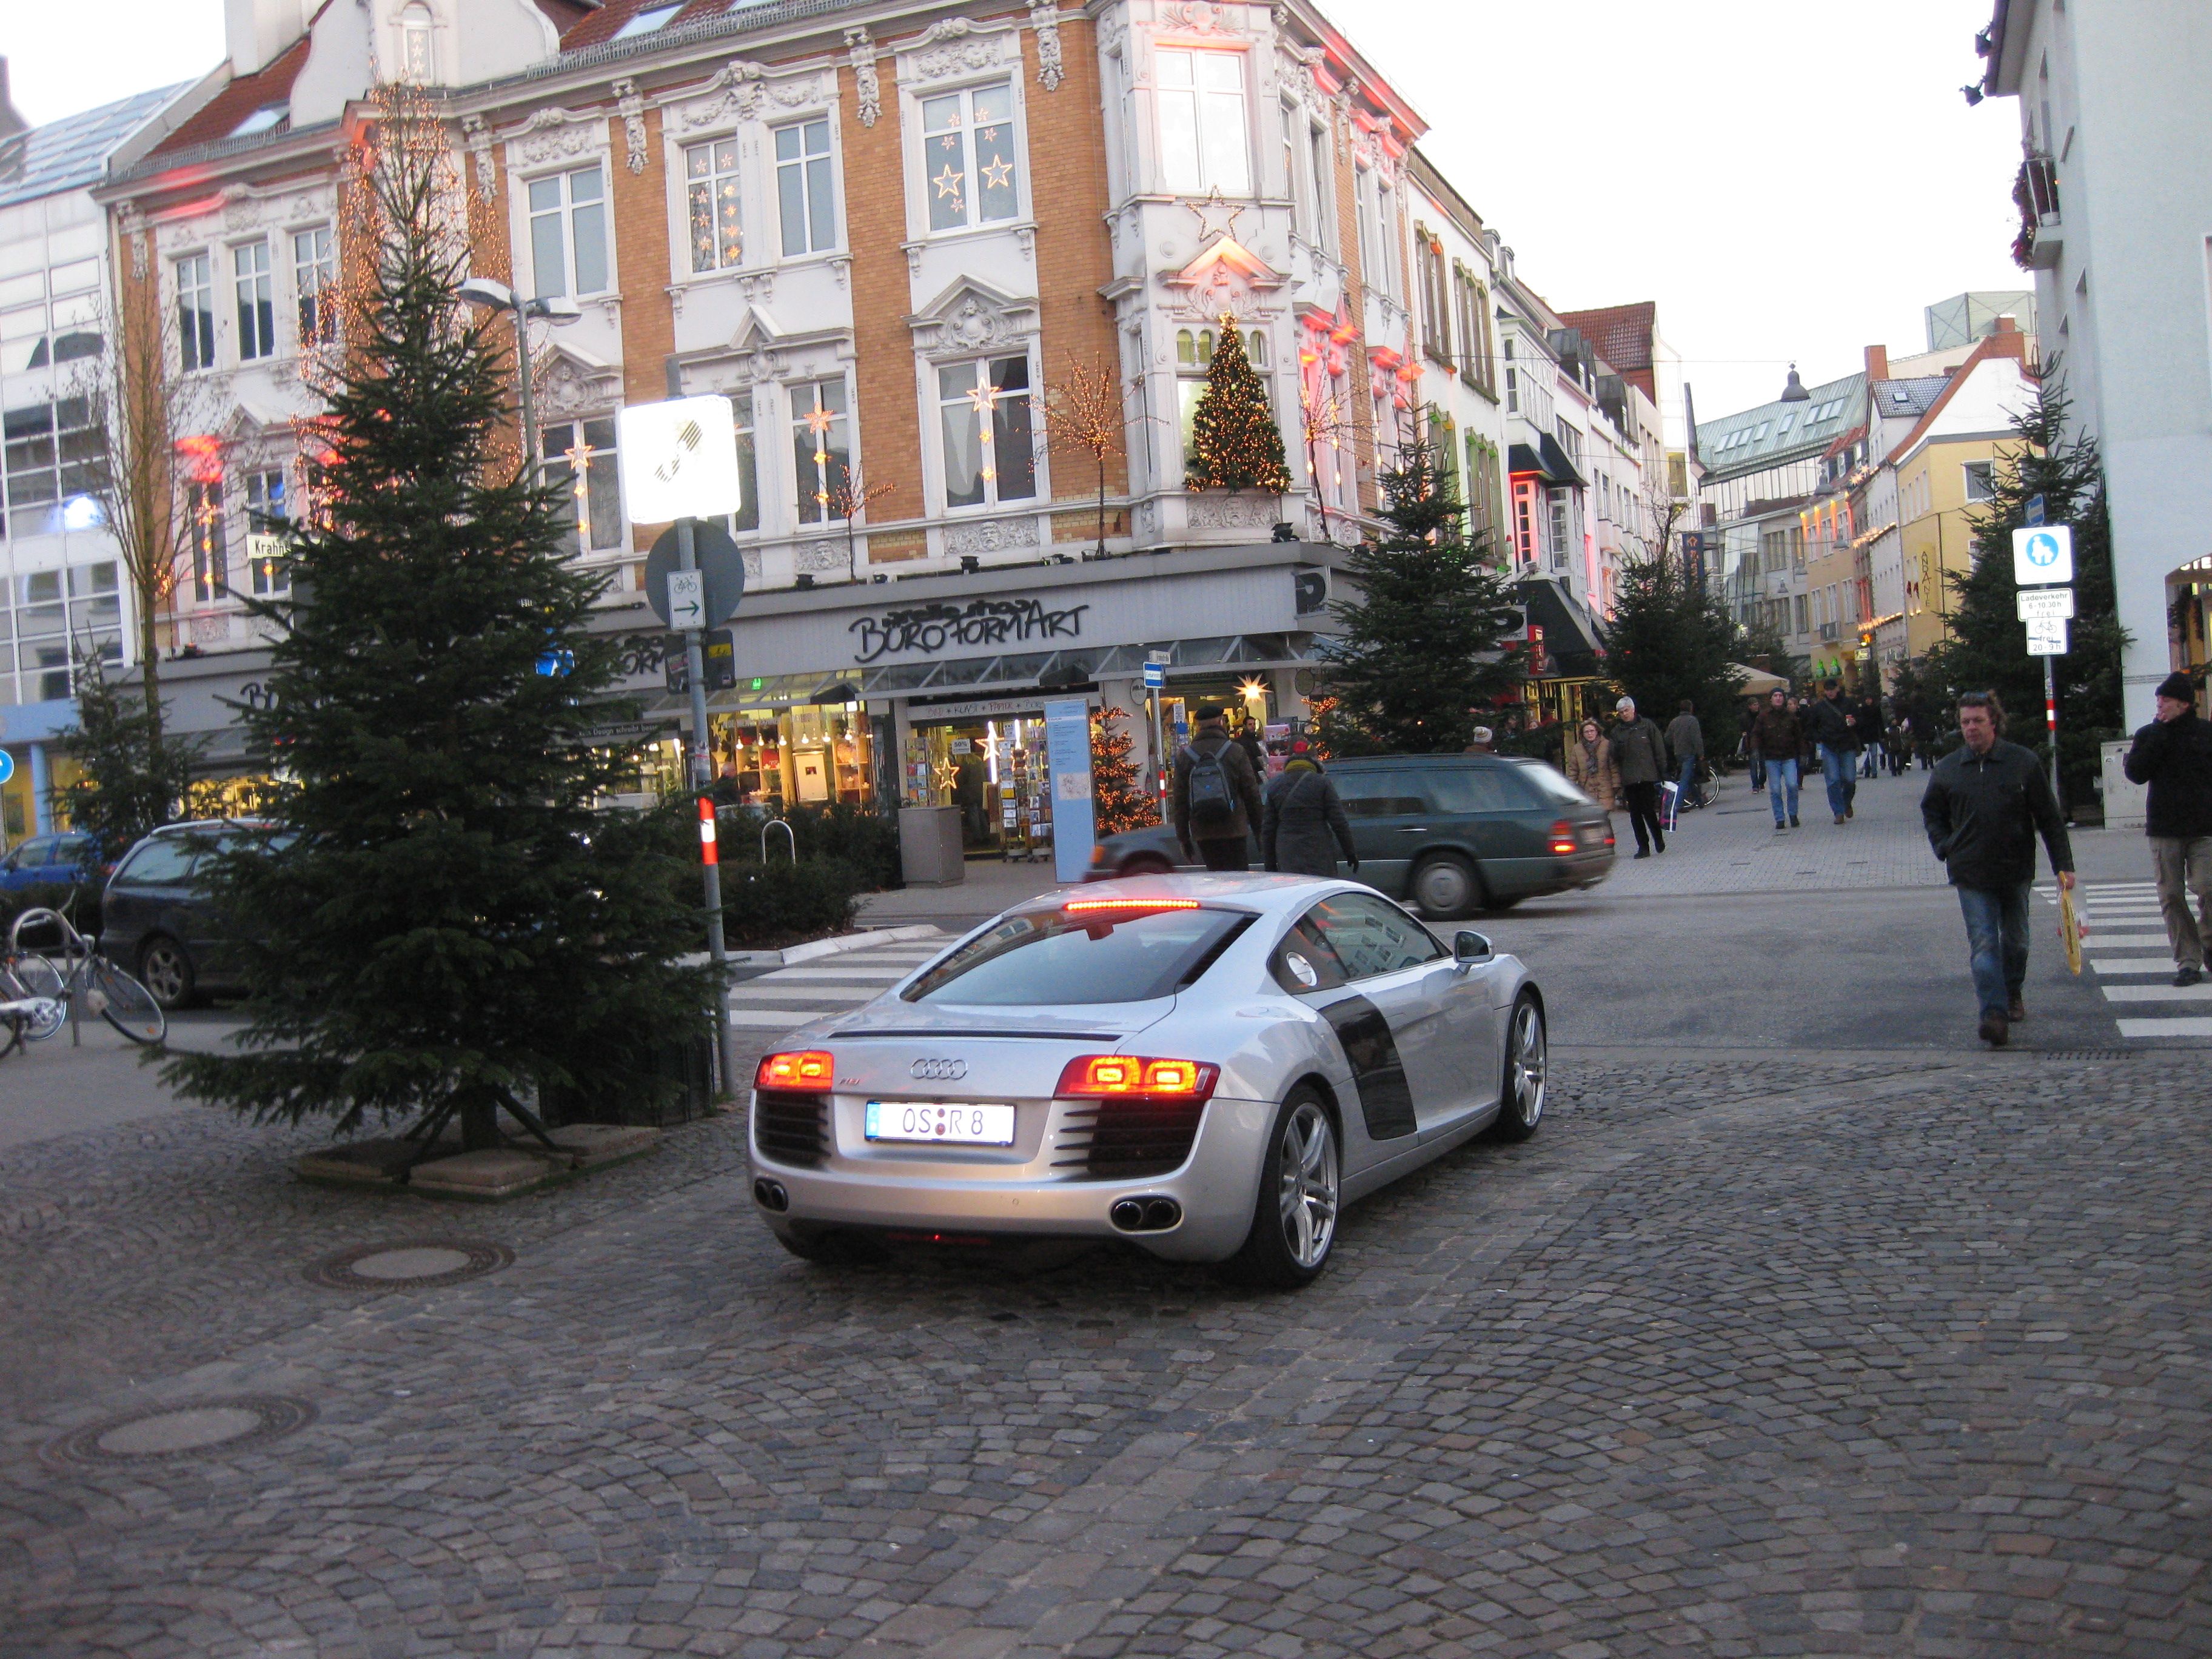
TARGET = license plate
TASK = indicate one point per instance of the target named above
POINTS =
(957, 1123)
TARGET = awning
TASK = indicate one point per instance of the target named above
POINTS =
(1570, 641)
(1757, 681)
(1546, 459)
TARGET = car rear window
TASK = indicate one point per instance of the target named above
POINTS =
(1478, 789)
(1552, 783)
(170, 859)
(1043, 958)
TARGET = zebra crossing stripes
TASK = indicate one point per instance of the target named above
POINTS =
(2127, 949)
(787, 997)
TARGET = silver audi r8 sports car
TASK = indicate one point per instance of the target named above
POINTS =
(1209, 1067)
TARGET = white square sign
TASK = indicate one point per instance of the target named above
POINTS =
(2046, 636)
(678, 459)
(2043, 553)
(2044, 603)
(687, 598)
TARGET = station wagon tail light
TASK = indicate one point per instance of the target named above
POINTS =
(811, 1071)
(1116, 1077)
(1078, 906)
(1563, 838)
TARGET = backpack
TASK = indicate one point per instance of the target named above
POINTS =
(1212, 800)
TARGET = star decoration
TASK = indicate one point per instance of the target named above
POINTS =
(986, 399)
(1000, 175)
(948, 182)
(1216, 217)
(951, 141)
(579, 457)
(819, 421)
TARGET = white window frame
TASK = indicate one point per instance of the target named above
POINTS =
(808, 506)
(315, 276)
(712, 180)
(929, 179)
(801, 170)
(1215, 113)
(267, 577)
(978, 368)
(556, 467)
(196, 346)
(564, 215)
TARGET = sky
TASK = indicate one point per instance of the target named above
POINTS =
(1791, 181)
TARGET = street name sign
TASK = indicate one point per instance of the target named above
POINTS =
(2032, 512)
(2046, 638)
(2044, 604)
(1156, 676)
(2043, 553)
(678, 459)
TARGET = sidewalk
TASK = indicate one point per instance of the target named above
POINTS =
(992, 885)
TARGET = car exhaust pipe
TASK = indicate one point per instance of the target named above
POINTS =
(770, 1195)
(1145, 1215)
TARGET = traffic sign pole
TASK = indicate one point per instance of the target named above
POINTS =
(2051, 724)
(702, 778)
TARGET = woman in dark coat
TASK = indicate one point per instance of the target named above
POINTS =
(1299, 815)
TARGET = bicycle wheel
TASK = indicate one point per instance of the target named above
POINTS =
(31, 976)
(127, 1006)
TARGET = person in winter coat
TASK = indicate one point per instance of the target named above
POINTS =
(1834, 726)
(1216, 798)
(1639, 755)
(1776, 736)
(2174, 756)
(1300, 818)
(1985, 805)
(1590, 767)
(1687, 739)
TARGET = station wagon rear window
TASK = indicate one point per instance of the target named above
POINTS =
(1391, 794)
(1048, 958)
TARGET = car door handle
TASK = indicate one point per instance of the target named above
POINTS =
(1413, 830)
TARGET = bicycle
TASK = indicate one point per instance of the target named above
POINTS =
(107, 991)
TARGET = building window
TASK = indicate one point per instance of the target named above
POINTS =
(196, 311)
(748, 515)
(1194, 357)
(969, 158)
(1561, 528)
(803, 191)
(415, 60)
(315, 280)
(266, 516)
(210, 542)
(56, 637)
(1525, 511)
(580, 455)
(1436, 295)
(1301, 201)
(54, 461)
(1386, 231)
(1324, 186)
(711, 202)
(821, 447)
(1370, 232)
(257, 306)
(983, 411)
(1981, 482)
(1801, 627)
(1204, 143)
(568, 233)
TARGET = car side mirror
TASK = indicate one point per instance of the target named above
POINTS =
(1469, 947)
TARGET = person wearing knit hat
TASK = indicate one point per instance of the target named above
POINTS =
(2174, 756)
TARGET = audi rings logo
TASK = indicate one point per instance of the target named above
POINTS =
(939, 1071)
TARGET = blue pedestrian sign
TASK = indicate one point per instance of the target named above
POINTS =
(7, 766)
(2043, 553)
(1156, 676)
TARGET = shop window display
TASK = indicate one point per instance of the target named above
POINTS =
(993, 771)
(809, 754)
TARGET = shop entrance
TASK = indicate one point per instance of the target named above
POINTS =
(991, 770)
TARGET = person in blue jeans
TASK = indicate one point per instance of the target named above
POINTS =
(1834, 726)
(1985, 805)
(1776, 737)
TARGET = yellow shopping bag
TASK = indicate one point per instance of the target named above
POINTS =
(2071, 929)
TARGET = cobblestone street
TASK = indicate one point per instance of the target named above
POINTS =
(1848, 1360)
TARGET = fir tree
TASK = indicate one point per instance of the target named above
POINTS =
(1237, 444)
(132, 778)
(1118, 799)
(446, 923)
(1671, 638)
(1419, 653)
(1987, 650)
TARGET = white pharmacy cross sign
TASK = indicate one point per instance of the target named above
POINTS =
(2043, 553)
(2046, 637)
(687, 598)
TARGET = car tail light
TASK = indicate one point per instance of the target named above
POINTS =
(809, 1071)
(1563, 838)
(1077, 906)
(1122, 1076)
(1098, 854)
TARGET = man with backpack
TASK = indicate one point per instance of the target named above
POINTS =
(1216, 800)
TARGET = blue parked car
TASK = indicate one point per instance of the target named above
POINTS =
(62, 860)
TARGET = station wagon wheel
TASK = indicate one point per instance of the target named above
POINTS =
(1520, 1089)
(1447, 888)
(1294, 1212)
(166, 971)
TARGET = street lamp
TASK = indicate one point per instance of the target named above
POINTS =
(498, 296)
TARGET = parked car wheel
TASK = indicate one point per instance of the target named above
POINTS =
(1520, 1089)
(1294, 1217)
(1447, 888)
(165, 969)
(1147, 867)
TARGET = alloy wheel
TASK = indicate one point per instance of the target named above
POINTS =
(1528, 1064)
(1307, 1194)
(162, 971)
(1445, 888)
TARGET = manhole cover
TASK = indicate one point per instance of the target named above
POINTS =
(181, 1430)
(414, 1263)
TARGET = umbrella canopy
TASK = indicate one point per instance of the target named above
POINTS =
(1757, 681)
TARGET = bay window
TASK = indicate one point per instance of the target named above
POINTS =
(984, 414)
(1204, 143)
(969, 158)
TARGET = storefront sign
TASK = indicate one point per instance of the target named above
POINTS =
(931, 628)
(641, 654)
(976, 709)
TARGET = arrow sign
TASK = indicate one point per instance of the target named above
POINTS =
(687, 598)
(2042, 555)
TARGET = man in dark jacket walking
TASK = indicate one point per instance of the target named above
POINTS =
(1776, 737)
(1984, 806)
(1833, 725)
(1687, 739)
(2174, 756)
(1216, 799)
(1301, 815)
(1639, 750)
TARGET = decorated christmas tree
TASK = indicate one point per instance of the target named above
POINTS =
(1118, 798)
(445, 925)
(1237, 444)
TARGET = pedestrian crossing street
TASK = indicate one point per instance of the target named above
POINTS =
(2127, 951)
(787, 997)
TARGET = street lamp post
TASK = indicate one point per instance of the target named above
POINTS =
(492, 295)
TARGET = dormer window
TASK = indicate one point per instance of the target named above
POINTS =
(414, 61)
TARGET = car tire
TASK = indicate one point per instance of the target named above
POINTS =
(1446, 887)
(164, 968)
(1526, 1077)
(1295, 1212)
(1147, 867)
